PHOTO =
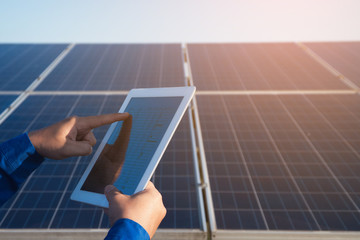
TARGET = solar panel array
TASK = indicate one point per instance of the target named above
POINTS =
(285, 162)
(278, 162)
(275, 161)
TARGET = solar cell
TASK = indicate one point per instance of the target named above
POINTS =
(117, 67)
(343, 56)
(44, 200)
(5, 101)
(280, 162)
(280, 66)
(21, 64)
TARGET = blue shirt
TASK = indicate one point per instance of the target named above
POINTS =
(18, 159)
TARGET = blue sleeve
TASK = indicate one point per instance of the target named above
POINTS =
(127, 229)
(18, 159)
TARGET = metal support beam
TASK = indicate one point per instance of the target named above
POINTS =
(200, 151)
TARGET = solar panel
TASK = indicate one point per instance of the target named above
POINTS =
(343, 56)
(283, 163)
(117, 67)
(280, 66)
(275, 162)
(5, 101)
(44, 200)
(21, 64)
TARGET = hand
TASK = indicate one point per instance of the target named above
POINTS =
(145, 207)
(71, 136)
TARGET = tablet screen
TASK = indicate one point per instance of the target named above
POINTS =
(132, 144)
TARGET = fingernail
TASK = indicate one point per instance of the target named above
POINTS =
(109, 188)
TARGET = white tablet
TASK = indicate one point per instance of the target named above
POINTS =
(131, 149)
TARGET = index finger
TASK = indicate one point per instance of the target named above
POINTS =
(100, 120)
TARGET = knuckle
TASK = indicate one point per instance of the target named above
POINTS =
(159, 199)
(73, 118)
(70, 120)
(157, 196)
(163, 211)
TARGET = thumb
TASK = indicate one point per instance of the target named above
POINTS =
(111, 192)
(77, 148)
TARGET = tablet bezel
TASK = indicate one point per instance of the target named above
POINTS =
(187, 93)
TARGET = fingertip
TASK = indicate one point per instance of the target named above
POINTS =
(87, 149)
(90, 150)
(92, 122)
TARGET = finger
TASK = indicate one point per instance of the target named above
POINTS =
(149, 189)
(100, 120)
(111, 192)
(77, 148)
(90, 138)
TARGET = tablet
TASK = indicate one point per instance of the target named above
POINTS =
(131, 149)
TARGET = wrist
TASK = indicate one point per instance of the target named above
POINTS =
(35, 141)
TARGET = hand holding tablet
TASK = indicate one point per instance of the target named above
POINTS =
(131, 150)
(146, 207)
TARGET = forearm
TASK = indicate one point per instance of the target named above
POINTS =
(18, 159)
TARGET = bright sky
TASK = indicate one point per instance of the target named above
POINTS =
(179, 21)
